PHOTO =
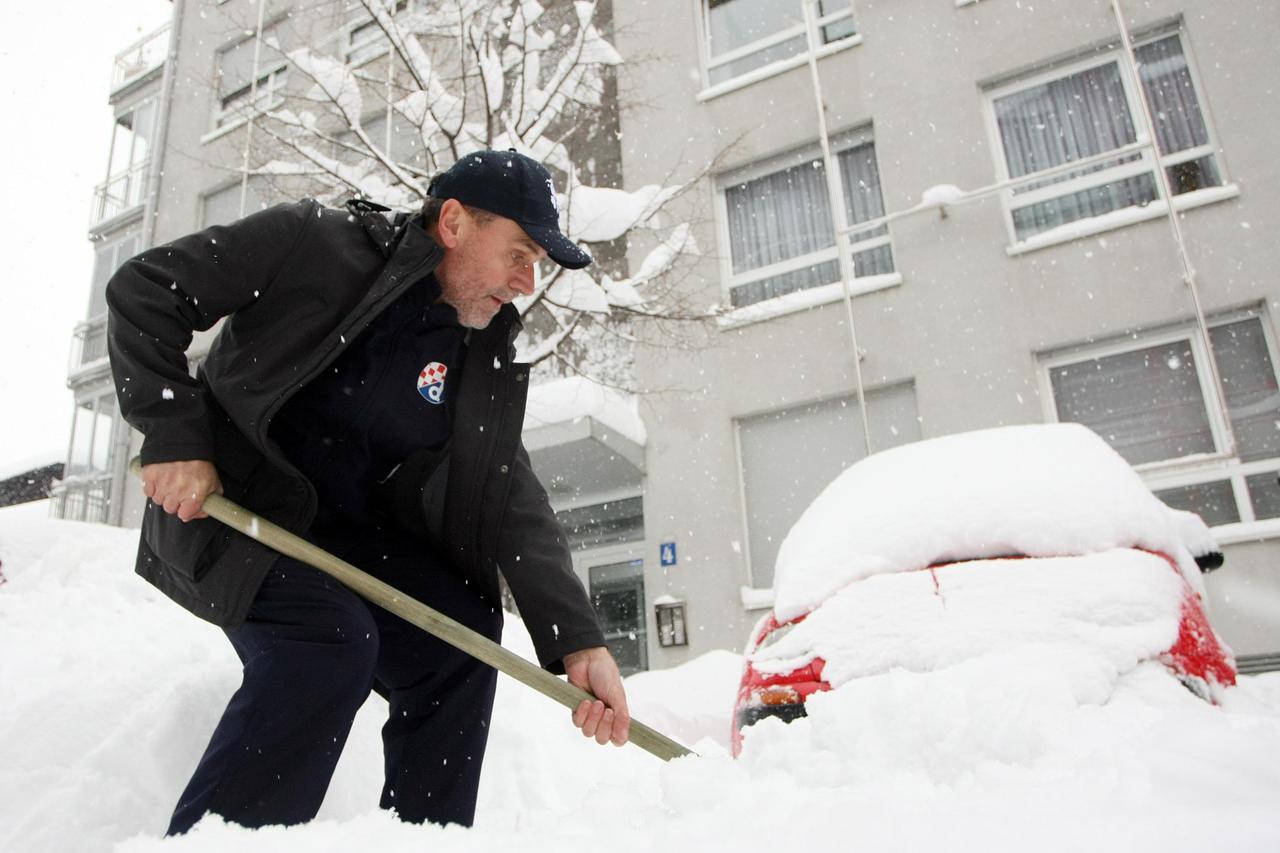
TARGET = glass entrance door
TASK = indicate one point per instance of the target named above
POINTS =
(617, 593)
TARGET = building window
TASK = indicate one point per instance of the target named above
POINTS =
(789, 456)
(245, 87)
(222, 207)
(108, 255)
(89, 347)
(1092, 108)
(362, 36)
(1152, 402)
(403, 144)
(743, 35)
(131, 139)
(780, 229)
(610, 523)
(84, 492)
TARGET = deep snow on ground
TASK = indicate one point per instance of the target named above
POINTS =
(109, 693)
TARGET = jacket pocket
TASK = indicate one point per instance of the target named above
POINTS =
(414, 495)
(187, 548)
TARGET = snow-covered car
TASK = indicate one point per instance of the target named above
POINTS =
(937, 553)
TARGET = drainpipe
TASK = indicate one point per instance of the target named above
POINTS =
(835, 192)
(253, 97)
(1175, 225)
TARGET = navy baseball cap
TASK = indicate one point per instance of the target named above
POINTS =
(515, 186)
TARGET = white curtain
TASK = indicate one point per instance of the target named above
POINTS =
(786, 214)
(1068, 119)
(1088, 113)
(863, 200)
(1167, 82)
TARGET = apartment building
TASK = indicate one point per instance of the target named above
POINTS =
(1040, 292)
(1007, 257)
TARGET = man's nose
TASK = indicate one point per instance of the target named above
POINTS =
(523, 280)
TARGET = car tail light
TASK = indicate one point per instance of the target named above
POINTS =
(778, 694)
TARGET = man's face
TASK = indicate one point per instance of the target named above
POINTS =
(488, 261)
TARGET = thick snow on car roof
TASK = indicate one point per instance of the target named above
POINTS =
(1039, 490)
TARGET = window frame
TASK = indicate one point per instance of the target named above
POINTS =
(227, 115)
(108, 254)
(271, 81)
(256, 183)
(91, 404)
(706, 61)
(1198, 468)
(132, 175)
(823, 293)
(1149, 158)
(375, 47)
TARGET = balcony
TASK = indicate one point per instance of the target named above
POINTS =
(120, 192)
(88, 346)
(140, 57)
(82, 498)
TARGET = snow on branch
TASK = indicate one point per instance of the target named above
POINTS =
(461, 75)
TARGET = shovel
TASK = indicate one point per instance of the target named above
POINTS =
(428, 619)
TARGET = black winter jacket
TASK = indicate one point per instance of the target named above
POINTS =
(297, 284)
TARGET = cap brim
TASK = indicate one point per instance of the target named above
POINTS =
(559, 248)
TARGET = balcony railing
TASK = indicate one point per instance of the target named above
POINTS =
(140, 57)
(82, 498)
(89, 344)
(119, 193)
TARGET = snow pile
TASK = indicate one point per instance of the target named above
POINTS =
(1040, 490)
(1107, 612)
(565, 400)
(110, 693)
(941, 194)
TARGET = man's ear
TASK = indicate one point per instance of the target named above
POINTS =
(451, 223)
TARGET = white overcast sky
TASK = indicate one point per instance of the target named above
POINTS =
(55, 73)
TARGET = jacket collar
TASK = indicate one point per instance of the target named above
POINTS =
(383, 232)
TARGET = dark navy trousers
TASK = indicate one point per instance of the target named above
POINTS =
(312, 651)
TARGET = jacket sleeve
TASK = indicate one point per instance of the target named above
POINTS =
(534, 557)
(159, 299)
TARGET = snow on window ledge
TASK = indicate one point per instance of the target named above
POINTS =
(756, 599)
(773, 69)
(1120, 218)
(223, 130)
(1246, 531)
(802, 300)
